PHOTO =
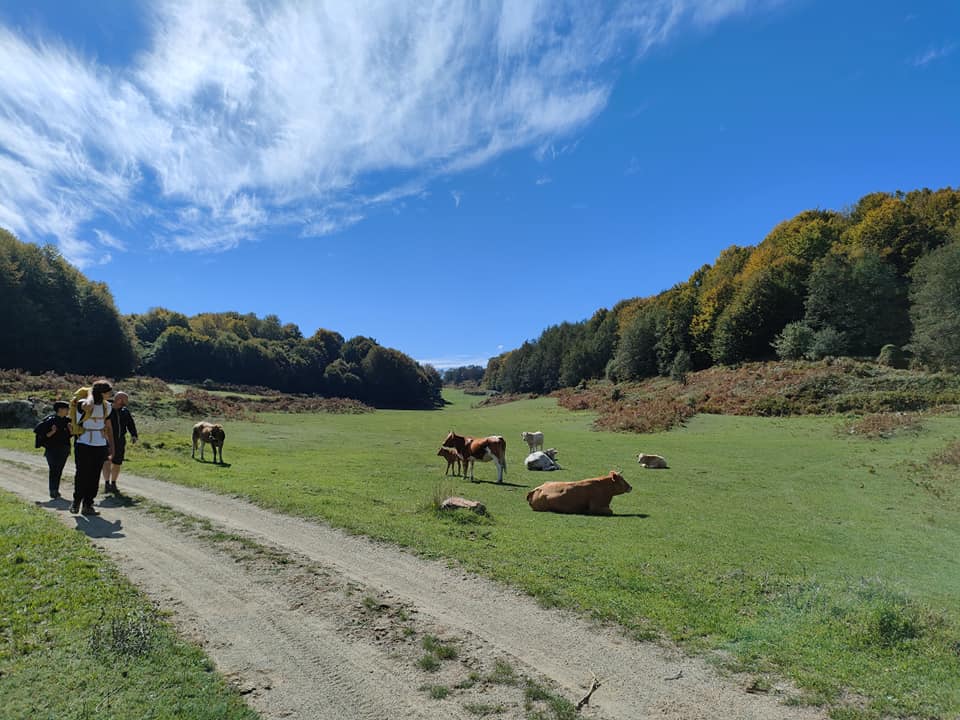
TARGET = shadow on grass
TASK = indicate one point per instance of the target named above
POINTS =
(215, 464)
(60, 503)
(494, 482)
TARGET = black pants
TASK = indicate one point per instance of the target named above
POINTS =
(90, 459)
(56, 459)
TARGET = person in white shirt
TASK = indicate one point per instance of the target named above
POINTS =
(94, 445)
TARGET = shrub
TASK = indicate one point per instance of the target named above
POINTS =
(794, 341)
(826, 342)
(892, 356)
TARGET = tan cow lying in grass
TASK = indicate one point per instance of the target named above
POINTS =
(591, 497)
(652, 462)
(206, 432)
(452, 457)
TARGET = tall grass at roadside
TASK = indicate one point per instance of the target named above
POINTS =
(77, 641)
(756, 541)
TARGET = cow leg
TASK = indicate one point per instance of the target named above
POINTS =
(499, 470)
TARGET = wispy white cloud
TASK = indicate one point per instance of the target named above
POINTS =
(933, 54)
(457, 196)
(543, 180)
(443, 363)
(238, 116)
(108, 240)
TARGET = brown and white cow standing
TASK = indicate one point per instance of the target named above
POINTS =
(485, 449)
(590, 497)
(206, 432)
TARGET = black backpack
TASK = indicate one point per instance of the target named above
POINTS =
(40, 431)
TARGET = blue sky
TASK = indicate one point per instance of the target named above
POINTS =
(452, 178)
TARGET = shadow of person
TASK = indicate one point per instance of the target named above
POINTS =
(626, 515)
(116, 501)
(94, 526)
(60, 503)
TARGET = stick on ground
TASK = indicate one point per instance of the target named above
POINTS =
(586, 698)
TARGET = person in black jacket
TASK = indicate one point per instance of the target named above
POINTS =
(122, 422)
(54, 435)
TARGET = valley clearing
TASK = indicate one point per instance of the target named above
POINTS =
(310, 622)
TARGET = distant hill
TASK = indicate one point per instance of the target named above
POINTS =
(879, 280)
(55, 319)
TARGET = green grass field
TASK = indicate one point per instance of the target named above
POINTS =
(829, 559)
(78, 642)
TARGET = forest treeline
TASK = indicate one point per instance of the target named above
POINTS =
(881, 280)
(54, 318)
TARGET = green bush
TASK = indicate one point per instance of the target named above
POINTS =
(892, 356)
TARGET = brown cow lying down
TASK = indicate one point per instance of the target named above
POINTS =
(205, 432)
(591, 497)
(652, 462)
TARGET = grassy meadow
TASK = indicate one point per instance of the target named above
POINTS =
(795, 548)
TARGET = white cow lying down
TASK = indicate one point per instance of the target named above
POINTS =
(652, 462)
(542, 460)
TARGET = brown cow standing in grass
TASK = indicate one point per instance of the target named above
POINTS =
(485, 449)
(206, 432)
(590, 497)
(452, 457)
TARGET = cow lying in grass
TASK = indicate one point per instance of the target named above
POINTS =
(652, 462)
(204, 433)
(590, 497)
(542, 460)
(452, 457)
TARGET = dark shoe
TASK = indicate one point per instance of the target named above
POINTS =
(75, 508)
(108, 487)
(54, 496)
(88, 510)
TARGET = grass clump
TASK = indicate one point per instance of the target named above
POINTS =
(444, 651)
(429, 663)
(503, 674)
(436, 692)
(129, 633)
(536, 696)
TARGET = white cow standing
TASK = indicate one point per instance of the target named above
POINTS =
(534, 440)
(542, 460)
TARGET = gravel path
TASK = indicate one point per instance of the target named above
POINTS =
(310, 622)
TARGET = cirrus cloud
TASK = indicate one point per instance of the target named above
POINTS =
(239, 116)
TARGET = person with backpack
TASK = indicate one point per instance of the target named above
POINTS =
(122, 422)
(94, 443)
(53, 435)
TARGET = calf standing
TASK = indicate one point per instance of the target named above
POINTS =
(205, 432)
(452, 457)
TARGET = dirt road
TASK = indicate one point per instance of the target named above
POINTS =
(310, 622)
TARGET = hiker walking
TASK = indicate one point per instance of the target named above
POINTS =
(53, 435)
(122, 422)
(91, 426)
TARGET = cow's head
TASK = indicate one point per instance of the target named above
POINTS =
(217, 435)
(551, 453)
(620, 486)
(451, 440)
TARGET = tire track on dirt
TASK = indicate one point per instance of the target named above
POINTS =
(559, 645)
